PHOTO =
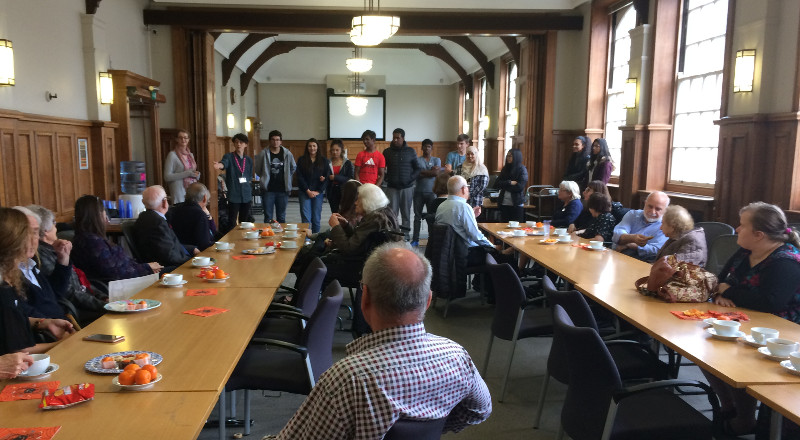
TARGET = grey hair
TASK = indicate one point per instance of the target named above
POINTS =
(572, 187)
(371, 197)
(395, 295)
(195, 192)
(46, 216)
(678, 218)
(29, 213)
(454, 184)
(152, 196)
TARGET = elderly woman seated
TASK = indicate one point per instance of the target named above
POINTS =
(603, 222)
(570, 197)
(685, 241)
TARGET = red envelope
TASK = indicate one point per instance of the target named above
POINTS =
(206, 311)
(45, 433)
(243, 257)
(26, 391)
(201, 292)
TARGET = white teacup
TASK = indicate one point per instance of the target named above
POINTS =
(781, 347)
(725, 328)
(172, 278)
(560, 231)
(513, 224)
(251, 234)
(39, 365)
(288, 244)
(596, 244)
(519, 233)
(531, 224)
(224, 245)
(201, 261)
(795, 358)
(247, 225)
(291, 226)
(761, 334)
(564, 237)
(290, 234)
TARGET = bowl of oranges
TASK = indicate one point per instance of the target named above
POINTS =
(134, 377)
(214, 274)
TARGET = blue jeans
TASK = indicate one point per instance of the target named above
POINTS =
(276, 200)
(311, 210)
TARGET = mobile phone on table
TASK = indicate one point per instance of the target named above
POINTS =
(99, 337)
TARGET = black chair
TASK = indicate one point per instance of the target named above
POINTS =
(714, 230)
(292, 368)
(514, 316)
(720, 250)
(130, 242)
(598, 407)
(635, 361)
(411, 429)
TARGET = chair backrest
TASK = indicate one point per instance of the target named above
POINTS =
(714, 230)
(310, 285)
(410, 429)
(593, 377)
(130, 241)
(509, 299)
(449, 278)
(720, 250)
(318, 335)
(578, 310)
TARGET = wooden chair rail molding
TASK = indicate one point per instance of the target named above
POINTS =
(40, 162)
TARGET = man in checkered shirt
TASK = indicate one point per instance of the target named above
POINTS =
(399, 371)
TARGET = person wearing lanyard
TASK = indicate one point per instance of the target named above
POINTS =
(238, 175)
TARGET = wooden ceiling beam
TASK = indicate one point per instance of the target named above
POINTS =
(338, 22)
(513, 48)
(476, 53)
(229, 63)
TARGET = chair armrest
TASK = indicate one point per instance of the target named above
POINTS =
(669, 383)
(283, 288)
(303, 351)
(533, 301)
(286, 313)
(284, 307)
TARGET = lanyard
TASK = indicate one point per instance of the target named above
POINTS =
(241, 167)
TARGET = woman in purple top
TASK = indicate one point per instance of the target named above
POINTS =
(600, 163)
(94, 254)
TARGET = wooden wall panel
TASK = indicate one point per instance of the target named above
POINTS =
(24, 170)
(67, 154)
(46, 171)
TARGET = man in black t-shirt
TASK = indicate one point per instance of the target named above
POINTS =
(275, 166)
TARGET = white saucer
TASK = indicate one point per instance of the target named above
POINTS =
(518, 226)
(733, 337)
(748, 339)
(565, 241)
(596, 249)
(52, 368)
(222, 250)
(765, 351)
(174, 285)
(547, 242)
(218, 280)
(541, 233)
(788, 365)
(115, 381)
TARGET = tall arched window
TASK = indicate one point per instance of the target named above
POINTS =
(512, 115)
(623, 20)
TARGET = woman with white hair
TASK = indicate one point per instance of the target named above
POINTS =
(685, 241)
(373, 206)
(476, 174)
(571, 207)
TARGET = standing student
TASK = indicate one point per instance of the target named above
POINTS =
(600, 163)
(312, 179)
(238, 177)
(511, 182)
(180, 168)
(429, 168)
(275, 166)
(578, 165)
(455, 158)
(402, 170)
(476, 175)
(341, 171)
(370, 164)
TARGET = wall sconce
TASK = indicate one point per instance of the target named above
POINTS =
(514, 116)
(231, 121)
(106, 88)
(629, 93)
(744, 70)
(6, 63)
(484, 122)
(248, 125)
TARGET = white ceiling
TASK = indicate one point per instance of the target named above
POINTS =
(398, 66)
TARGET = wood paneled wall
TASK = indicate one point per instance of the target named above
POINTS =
(40, 161)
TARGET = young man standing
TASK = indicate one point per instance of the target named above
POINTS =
(275, 166)
(370, 165)
(402, 168)
(429, 168)
(456, 158)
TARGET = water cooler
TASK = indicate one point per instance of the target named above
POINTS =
(132, 178)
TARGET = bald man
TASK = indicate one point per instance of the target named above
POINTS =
(400, 369)
(639, 233)
(153, 237)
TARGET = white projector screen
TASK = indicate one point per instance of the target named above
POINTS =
(343, 125)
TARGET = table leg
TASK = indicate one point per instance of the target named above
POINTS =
(775, 425)
(222, 415)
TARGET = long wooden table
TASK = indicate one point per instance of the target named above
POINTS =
(784, 401)
(199, 353)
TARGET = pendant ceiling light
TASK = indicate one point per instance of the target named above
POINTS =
(372, 28)
(358, 63)
(356, 104)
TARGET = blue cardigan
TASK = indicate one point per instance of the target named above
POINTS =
(565, 216)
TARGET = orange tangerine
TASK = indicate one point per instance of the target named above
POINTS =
(152, 369)
(127, 378)
(132, 367)
(142, 377)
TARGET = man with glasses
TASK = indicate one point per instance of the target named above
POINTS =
(152, 235)
(398, 369)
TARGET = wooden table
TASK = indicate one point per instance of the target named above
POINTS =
(734, 362)
(784, 401)
(573, 263)
(124, 415)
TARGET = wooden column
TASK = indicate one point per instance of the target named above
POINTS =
(105, 174)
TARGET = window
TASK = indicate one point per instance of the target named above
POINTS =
(512, 115)
(483, 122)
(699, 92)
(466, 115)
(622, 21)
